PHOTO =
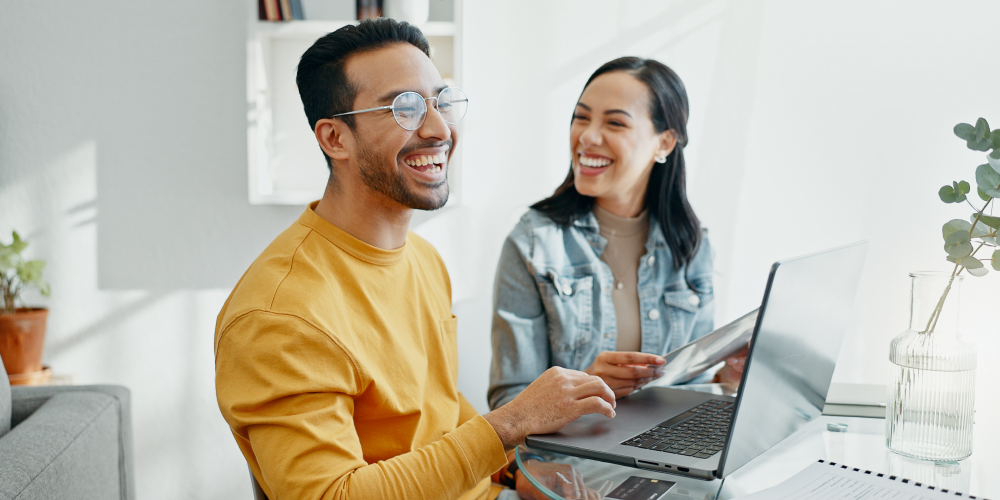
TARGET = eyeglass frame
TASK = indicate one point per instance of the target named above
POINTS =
(390, 107)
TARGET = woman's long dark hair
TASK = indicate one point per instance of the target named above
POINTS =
(666, 197)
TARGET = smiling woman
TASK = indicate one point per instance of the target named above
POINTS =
(613, 270)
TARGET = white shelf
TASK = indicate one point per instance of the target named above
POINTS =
(285, 165)
(319, 28)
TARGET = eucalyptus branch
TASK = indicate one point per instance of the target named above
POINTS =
(957, 241)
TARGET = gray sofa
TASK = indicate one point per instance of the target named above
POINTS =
(65, 442)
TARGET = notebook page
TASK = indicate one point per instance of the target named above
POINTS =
(830, 481)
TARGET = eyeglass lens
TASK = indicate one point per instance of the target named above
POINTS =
(410, 108)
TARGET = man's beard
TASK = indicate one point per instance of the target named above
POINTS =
(391, 183)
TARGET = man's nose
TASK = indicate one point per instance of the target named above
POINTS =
(434, 126)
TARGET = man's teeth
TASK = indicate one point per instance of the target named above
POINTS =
(594, 162)
(421, 160)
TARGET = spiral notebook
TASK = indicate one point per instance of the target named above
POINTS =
(830, 481)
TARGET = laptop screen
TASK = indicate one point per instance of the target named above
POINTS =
(802, 321)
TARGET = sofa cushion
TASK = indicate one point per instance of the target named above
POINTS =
(67, 449)
(5, 403)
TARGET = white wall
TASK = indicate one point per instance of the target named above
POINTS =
(122, 158)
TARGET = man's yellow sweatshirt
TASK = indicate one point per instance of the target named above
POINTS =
(336, 368)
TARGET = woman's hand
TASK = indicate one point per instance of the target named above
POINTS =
(733, 371)
(625, 372)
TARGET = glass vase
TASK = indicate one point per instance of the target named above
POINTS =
(932, 381)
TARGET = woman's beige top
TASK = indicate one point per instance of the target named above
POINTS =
(626, 244)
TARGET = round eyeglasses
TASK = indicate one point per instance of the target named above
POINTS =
(410, 108)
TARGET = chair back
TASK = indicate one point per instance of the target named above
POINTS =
(5, 401)
(258, 492)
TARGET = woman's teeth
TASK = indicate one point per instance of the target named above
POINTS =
(594, 162)
(436, 162)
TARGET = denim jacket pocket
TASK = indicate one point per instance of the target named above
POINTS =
(683, 299)
(682, 309)
(569, 301)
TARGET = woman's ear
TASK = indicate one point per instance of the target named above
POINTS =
(335, 137)
(668, 141)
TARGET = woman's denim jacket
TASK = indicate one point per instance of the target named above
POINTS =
(552, 300)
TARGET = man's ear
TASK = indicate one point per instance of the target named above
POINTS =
(668, 141)
(335, 137)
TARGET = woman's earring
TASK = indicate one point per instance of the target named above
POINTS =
(660, 159)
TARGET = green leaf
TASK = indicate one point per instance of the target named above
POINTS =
(995, 154)
(982, 129)
(973, 265)
(957, 244)
(959, 250)
(965, 131)
(981, 228)
(989, 220)
(995, 138)
(952, 259)
(18, 245)
(984, 196)
(988, 180)
(8, 259)
(963, 187)
(989, 240)
(994, 162)
(31, 271)
(947, 194)
(956, 238)
(955, 225)
(979, 145)
(996, 260)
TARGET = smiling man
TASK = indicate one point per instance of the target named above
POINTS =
(336, 355)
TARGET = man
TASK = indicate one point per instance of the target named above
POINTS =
(336, 360)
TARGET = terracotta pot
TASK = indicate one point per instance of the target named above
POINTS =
(22, 338)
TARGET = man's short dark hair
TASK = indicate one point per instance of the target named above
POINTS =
(323, 85)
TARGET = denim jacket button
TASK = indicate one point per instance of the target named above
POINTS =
(654, 314)
(694, 300)
(651, 260)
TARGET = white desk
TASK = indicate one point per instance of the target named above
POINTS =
(861, 446)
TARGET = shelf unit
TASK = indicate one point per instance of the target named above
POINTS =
(285, 165)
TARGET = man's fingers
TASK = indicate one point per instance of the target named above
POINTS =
(596, 387)
(596, 404)
(625, 391)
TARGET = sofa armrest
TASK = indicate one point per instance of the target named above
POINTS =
(68, 442)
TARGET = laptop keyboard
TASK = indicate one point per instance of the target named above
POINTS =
(699, 432)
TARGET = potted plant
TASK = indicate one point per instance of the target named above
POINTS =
(930, 408)
(22, 329)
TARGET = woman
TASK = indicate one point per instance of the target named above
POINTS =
(613, 270)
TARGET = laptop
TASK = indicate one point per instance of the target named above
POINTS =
(793, 350)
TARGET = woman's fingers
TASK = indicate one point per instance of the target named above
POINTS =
(628, 371)
(631, 358)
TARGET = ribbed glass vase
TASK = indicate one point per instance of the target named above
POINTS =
(932, 384)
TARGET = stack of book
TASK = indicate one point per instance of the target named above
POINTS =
(856, 400)
(279, 10)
